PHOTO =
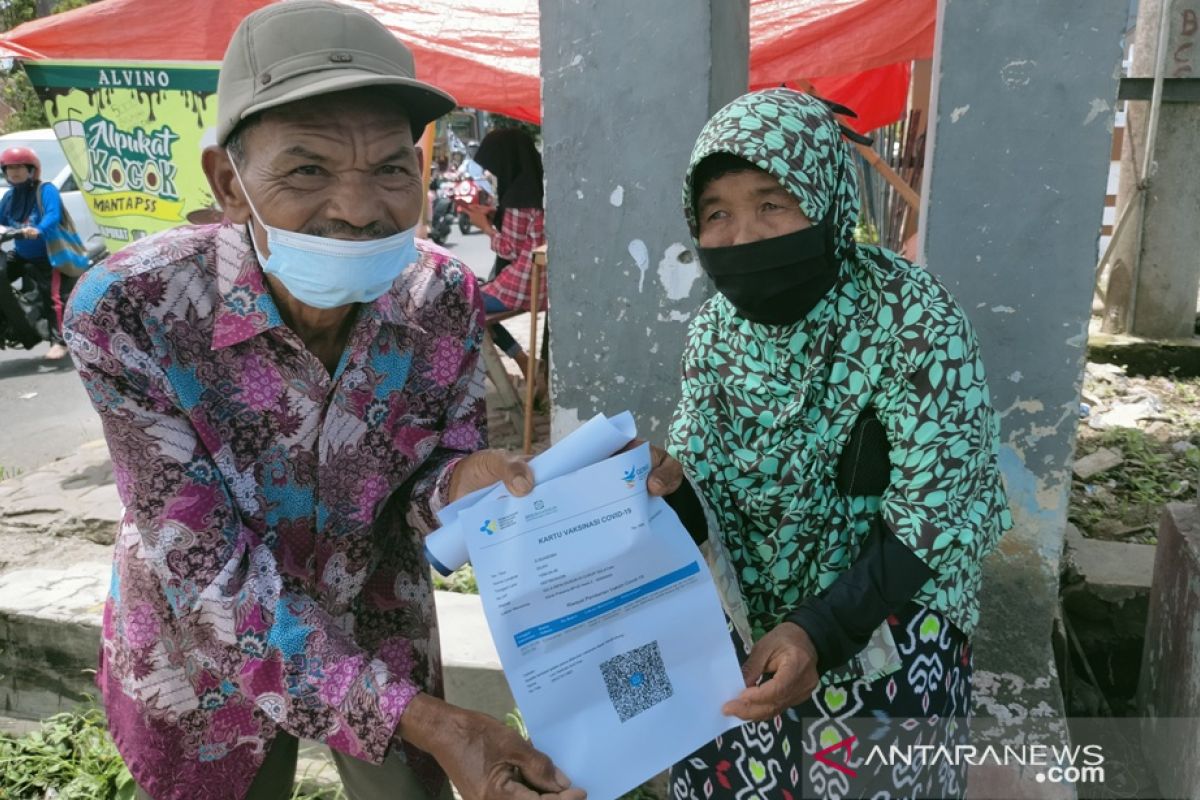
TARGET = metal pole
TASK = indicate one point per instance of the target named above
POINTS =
(1112, 240)
(1148, 163)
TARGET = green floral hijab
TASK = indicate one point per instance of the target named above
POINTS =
(766, 411)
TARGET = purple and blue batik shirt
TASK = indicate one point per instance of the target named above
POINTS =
(269, 571)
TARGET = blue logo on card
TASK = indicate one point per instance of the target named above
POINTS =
(633, 474)
(629, 477)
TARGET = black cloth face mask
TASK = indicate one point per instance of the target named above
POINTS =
(775, 281)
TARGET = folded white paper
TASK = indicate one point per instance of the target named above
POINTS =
(596, 439)
(606, 619)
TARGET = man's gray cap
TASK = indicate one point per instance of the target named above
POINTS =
(294, 50)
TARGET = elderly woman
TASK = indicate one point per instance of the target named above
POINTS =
(840, 447)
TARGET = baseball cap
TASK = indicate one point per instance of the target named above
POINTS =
(294, 50)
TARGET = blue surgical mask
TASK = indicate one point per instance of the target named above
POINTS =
(326, 273)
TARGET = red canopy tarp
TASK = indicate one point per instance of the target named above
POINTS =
(485, 52)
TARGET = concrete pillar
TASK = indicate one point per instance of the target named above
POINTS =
(1162, 248)
(1169, 693)
(626, 87)
(1017, 157)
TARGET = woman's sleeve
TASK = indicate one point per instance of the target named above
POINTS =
(51, 208)
(841, 620)
(944, 500)
(506, 241)
(685, 502)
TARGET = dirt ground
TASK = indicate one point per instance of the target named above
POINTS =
(1152, 425)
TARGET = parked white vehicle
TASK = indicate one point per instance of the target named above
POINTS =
(56, 170)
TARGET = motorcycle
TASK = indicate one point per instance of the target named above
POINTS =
(468, 193)
(443, 214)
(21, 321)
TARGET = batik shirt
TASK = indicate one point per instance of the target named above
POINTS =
(269, 571)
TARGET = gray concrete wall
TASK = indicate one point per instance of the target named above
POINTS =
(1019, 148)
(1168, 251)
(1169, 697)
(626, 87)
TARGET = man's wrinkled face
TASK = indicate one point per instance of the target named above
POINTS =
(342, 166)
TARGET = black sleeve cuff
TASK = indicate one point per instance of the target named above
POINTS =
(684, 502)
(881, 581)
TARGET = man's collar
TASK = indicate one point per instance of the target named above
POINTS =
(246, 307)
(393, 308)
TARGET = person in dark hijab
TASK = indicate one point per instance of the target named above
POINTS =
(516, 226)
(841, 454)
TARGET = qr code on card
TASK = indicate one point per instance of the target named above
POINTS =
(636, 680)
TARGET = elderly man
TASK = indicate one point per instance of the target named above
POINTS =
(289, 397)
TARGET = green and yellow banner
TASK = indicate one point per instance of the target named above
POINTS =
(133, 134)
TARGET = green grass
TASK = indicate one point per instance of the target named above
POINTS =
(319, 794)
(1141, 476)
(1130, 496)
(461, 581)
(72, 755)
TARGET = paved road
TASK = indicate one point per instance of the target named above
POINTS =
(45, 414)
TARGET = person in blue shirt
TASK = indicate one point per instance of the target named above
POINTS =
(35, 217)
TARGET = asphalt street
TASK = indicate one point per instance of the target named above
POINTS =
(45, 413)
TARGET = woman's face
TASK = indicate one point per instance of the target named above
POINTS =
(746, 206)
(16, 173)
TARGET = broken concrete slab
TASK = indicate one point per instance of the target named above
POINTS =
(1115, 571)
(1105, 599)
(50, 629)
(1097, 462)
(1169, 694)
(74, 497)
(1108, 373)
(74, 594)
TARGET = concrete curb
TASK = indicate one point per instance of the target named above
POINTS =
(50, 635)
(56, 526)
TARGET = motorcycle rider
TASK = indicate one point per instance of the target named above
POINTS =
(441, 200)
(35, 209)
(472, 169)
